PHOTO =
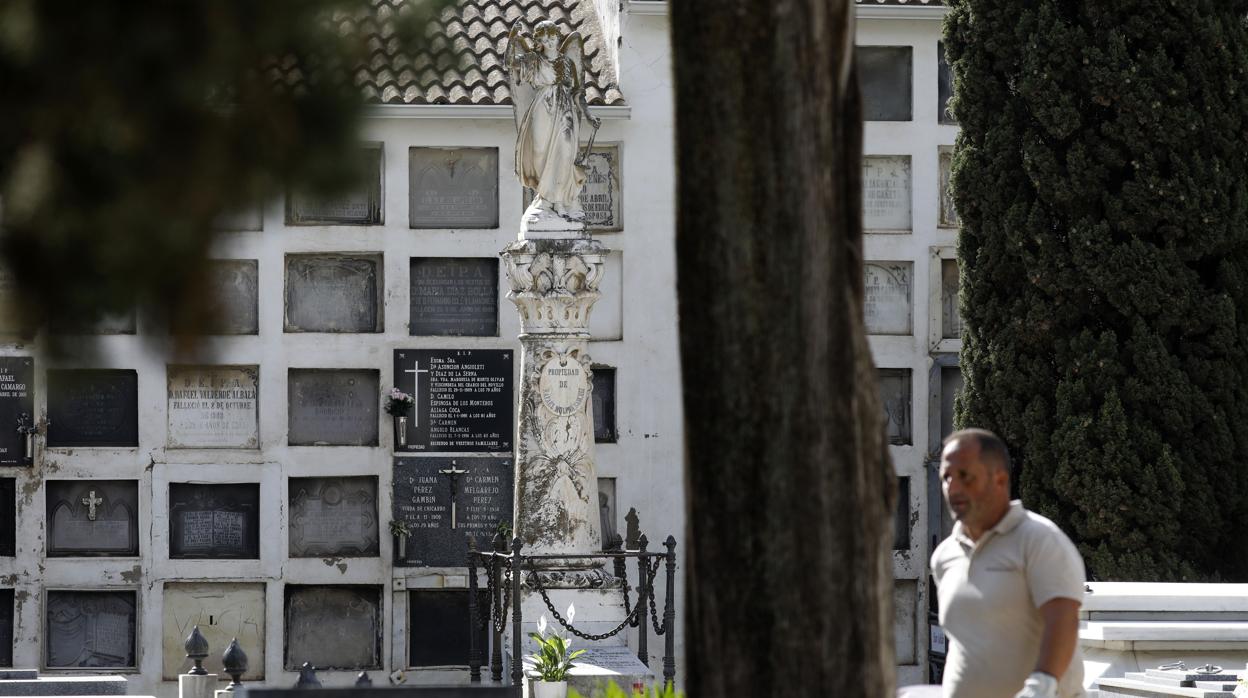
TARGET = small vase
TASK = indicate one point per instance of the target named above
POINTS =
(400, 432)
(550, 689)
(400, 548)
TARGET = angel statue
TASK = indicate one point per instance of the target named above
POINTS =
(546, 78)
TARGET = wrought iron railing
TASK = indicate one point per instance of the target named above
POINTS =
(505, 571)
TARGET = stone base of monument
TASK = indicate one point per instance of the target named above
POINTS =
(539, 222)
(192, 686)
(29, 683)
(1159, 683)
(597, 611)
(592, 671)
(1128, 628)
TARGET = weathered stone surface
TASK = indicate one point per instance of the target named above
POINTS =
(333, 516)
(950, 317)
(62, 685)
(886, 193)
(602, 197)
(453, 187)
(353, 613)
(233, 293)
(885, 75)
(92, 518)
(463, 399)
(90, 629)
(889, 290)
(944, 90)
(895, 394)
(93, 407)
(333, 293)
(361, 206)
(333, 407)
(223, 611)
(948, 213)
(214, 521)
(17, 397)
(424, 489)
(454, 296)
(213, 407)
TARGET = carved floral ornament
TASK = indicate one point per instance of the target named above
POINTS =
(554, 292)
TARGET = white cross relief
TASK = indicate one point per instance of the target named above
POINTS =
(416, 390)
(91, 500)
(453, 472)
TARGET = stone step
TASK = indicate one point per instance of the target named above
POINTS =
(1137, 688)
(65, 686)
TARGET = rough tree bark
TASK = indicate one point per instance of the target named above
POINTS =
(790, 486)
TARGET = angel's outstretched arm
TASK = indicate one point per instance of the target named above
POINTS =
(518, 46)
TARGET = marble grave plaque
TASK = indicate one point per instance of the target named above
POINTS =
(213, 407)
(353, 613)
(93, 518)
(886, 193)
(454, 296)
(333, 293)
(438, 628)
(93, 407)
(214, 521)
(359, 206)
(950, 318)
(463, 399)
(17, 398)
(602, 196)
(944, 91)
(333, 407)
(6, 627)
(888, 293)
(8, 518)
(232, 298)
(603, 396)
(948, 214)
(333, 516)
(895, 396)
(453, 187)
(444, 500)
(223, 611)
(90, 629)
(885, 76)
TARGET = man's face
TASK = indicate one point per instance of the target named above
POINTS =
(974, 490)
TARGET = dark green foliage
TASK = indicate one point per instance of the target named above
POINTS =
(1102, 180)
(126, 128)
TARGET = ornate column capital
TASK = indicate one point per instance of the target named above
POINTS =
(554, 283)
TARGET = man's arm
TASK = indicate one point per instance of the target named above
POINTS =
(1061, 632)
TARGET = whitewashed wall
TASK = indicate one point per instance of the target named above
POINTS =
(639, 306)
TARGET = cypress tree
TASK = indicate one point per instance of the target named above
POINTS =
(1101, 175)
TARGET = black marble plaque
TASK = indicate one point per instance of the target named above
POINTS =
(425, 489)
(90, 629)
(604, 405)
(6, 627)
(438, 628)
(8, 517)
(885, 77)
(463, 399)
(333, 516)
(17, 398)
(93, 518)
(945, 89)
(93, 407)
(214, 521)
(333, 627)
(454, 296)
(895, 395)
(359, 206)
(333, 407)
(333, 293)
(233, 296)
(453, 187)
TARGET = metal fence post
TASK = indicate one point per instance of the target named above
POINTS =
(517, 661)
(643, 565)
(669, 617)
(496, 609)
(474, 615)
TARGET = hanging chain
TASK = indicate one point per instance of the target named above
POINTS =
(628, 619)
(500, 614)
(654, 612)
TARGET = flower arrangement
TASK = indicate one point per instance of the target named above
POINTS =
(398, 403)
(553, 658)
(399, 527)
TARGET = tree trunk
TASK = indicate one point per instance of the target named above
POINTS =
(790, 486)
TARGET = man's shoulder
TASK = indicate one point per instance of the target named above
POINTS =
(1039, 525)
(946, 549)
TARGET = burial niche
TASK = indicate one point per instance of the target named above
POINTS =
(93, 518)
(353, 613)
(223, 611)
(453, 187)
(453, 296)
(90, 629)
(333, 516)
(333, 293)
(213, 407)
(360, 205)
(333, 407)
(93, 407)
(214, 521)
(438, 627)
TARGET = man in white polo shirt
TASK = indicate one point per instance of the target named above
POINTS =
(1009, 583)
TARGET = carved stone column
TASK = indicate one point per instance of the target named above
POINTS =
(554, 284)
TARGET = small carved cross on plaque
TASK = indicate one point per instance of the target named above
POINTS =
(453, 473)
(91, 501)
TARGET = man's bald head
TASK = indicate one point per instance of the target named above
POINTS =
(992, 450)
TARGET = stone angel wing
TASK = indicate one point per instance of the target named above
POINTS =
(574, 49)
(520, 57)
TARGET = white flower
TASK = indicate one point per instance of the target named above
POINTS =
(571, 612)
(541, 625)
